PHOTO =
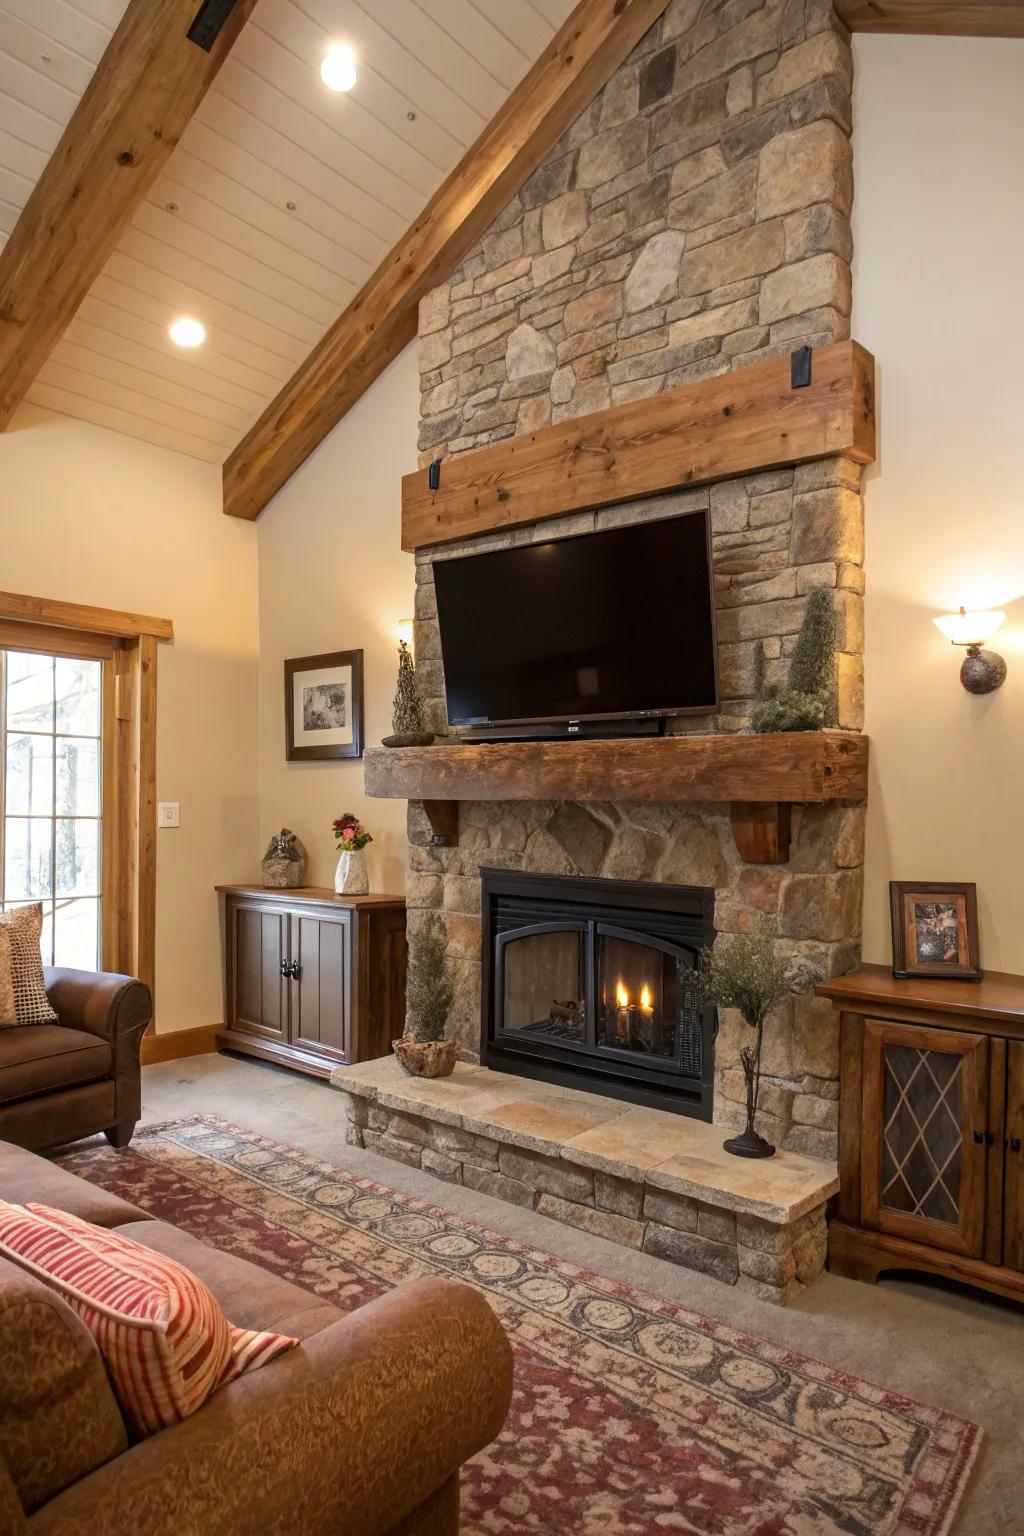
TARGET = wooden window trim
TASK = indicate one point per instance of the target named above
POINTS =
(127, 646)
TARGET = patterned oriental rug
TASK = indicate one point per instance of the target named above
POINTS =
(631, 1415)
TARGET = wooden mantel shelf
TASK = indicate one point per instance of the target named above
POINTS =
(760, 777)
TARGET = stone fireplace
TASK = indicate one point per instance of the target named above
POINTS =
(693, 220)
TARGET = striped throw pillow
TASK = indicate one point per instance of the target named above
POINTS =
(164, 1339)
(24, 925)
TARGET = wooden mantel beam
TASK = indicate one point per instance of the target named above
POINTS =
(381, 319)
(936, 18)
(731, 424)
(147, 86)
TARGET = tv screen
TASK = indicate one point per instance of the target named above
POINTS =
(605, 624)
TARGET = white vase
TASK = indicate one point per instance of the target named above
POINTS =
(350, 877)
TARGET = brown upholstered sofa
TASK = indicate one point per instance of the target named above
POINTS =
(361, 1431)
(60, 1082)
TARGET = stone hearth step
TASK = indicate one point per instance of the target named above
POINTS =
(642, 1177)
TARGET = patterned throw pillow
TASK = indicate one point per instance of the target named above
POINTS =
(164, 1340)
(31, 1004)
(8, 1015)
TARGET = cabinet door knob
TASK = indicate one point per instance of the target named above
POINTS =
(285, 972)
(293, 970)
(1014, 1143)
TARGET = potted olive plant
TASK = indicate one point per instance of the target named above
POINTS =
(429, 994)
(745, 971)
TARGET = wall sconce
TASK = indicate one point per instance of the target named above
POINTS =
(982, 671)
(404, 631)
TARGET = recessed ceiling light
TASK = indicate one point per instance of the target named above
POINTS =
(187, 332)
(338, 67)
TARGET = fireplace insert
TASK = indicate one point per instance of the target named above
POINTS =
(595, 984)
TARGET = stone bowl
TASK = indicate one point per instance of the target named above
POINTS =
(426, 1058)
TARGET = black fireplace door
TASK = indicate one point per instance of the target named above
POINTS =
(543, 984)
(646, 1003)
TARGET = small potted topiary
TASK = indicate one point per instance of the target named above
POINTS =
(808, 703)
(746, 972)
(423, 1049)
(407, 710)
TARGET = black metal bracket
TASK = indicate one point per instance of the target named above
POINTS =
(210, 18)
(800, 368)
(434, 475)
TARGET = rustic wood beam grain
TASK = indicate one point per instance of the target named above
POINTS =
(733, 424)
(147, 86)
(937, 18)
(381, 319)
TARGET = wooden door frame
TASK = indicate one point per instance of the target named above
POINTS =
(968, 1236)
(126, 643)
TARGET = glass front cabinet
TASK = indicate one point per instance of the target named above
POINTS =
(931, 1125)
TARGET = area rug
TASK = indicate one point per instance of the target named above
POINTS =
(631, 1415)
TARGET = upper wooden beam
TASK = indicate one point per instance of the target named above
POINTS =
(938, 18)
(83, 617)
(146, 87)
(733, 424)
(381, 319)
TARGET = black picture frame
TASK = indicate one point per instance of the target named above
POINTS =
(935, 930)
(300, 750)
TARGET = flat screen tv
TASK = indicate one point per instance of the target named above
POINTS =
(600, 626)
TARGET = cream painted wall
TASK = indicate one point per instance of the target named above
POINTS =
(91, 516)
(333, 577)
(939, 299)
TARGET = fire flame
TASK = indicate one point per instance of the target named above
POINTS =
(621, 996)
(645, 998)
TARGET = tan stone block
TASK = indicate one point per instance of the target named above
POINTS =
(388, 1146)
(482, 336)
(773, 1269)
(820, 280)
(825, 54)
(609, 154)
(827, 837)
(739, 95)
(563, 219)
(442, 1166)
(815, 1037)
(714, 322)
(670, 1210)
(497, 1185)
(617, 1229)
(849, 611)
(623, 1196)
(464, 1147)
(694, 855)
(809, 1109)
(696, 169)
(548, 1175)
(435, 310)
(720, 198)
(717, 1225)
(818, 228)
(552, 265)
(850, 691)
(593, 309)
(533, 414)
(782, 617)
(809, 1253)
(755, 1234)
(654, 276)
(747, 253)
(828, 524)
(812, 164)
(822, 473)
(435, 350)
(692, 1251)
(821, 906)
(755, 35)
(811, 1142)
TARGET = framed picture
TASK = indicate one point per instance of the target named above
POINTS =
(934, 929)
(323, 706)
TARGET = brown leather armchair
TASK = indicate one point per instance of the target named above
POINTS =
(60, 1082)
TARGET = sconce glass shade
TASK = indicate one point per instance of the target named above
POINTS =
(403, 630)
(965, 628)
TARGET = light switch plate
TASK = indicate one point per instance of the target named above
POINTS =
(167, 814)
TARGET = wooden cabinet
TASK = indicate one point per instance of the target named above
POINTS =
(931, 1126)
(312, 979)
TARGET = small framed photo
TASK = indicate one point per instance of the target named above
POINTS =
(934, 929)
(323, 706)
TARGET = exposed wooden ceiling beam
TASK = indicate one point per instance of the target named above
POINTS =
(381, 319)
(146, 87)
(940, 18)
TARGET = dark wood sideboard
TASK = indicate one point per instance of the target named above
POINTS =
(312, 979)
(931, 1127)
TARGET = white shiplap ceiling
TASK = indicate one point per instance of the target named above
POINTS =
(219, 238)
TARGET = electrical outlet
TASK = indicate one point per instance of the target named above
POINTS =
(167, 814)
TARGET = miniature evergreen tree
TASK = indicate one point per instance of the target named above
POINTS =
(429, 992)
(809, 702)
(407, 710)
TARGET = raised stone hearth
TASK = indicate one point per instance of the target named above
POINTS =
(640, 1177)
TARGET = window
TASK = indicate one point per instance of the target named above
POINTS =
(51, 794)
